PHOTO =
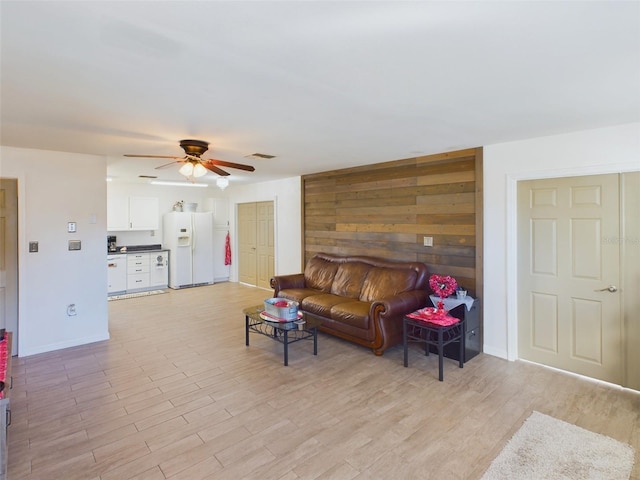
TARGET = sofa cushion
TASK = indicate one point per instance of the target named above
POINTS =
(321, 303)
(349, 279)
(319, 274)
(297, 294)
(385, 282)
(354, 313)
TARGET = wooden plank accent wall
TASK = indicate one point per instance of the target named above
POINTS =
(386, 209)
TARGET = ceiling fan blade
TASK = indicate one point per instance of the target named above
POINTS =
(239, 166)
(151, 156)
(213, 168)
(169, 164)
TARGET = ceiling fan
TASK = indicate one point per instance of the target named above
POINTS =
(193, 164)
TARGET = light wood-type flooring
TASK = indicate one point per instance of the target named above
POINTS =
(175, 394)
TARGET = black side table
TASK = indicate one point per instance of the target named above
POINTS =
(432, 334)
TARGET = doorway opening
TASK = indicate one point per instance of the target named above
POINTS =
(9, 258)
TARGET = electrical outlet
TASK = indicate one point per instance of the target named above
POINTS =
(428, 241)
(71, 309)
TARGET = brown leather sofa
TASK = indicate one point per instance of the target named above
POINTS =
(360, 299)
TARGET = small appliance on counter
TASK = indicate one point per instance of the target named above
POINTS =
(111, 243)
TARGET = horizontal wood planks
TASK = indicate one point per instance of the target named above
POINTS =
(386, 210)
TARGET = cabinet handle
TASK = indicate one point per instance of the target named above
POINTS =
(8, 417)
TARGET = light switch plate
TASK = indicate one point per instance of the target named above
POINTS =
(71, 227)
(33, 247)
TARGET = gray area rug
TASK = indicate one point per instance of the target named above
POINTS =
(135, 295)
(547, 448)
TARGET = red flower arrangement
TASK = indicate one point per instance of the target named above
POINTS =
(443, 286)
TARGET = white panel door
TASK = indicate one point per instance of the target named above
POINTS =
(568, 258)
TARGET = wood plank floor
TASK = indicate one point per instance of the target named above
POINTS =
(176, 394)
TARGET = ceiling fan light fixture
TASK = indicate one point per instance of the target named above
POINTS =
(186, 169)
(178, 184)
(199, 170)
(222, 182)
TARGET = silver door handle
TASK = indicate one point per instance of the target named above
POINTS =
(610, 288)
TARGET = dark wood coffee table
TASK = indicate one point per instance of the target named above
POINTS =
(283, 332)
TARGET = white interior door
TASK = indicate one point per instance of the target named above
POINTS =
(569, 307)
(9, 258)
(265, 244)
(247, 243)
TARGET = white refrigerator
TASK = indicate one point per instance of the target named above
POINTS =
(189, 238)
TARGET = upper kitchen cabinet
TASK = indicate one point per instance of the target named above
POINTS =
(132, 213)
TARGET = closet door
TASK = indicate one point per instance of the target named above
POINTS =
(265, 249)
(256, 263)
(247, 243)
(569, 291)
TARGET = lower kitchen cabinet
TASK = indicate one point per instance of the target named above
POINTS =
(159, 270)
(147, 271)
(116, 273)
(137, 271)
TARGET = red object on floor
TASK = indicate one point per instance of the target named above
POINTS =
(3, 362)
(227, 250)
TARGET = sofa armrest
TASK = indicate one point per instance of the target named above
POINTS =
(401, 304)
(282, 282)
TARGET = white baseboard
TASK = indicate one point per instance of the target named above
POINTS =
(58, 346)
(496, 352)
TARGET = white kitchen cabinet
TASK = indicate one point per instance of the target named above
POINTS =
(220, 207)
(159, 270)
(137, 271)
(144, 213)
(117, 213)
(147, 270)
(117, 273)
(132, 213)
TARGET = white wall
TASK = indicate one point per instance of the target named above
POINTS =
(55, 188)
(606, 150)
(167, 196)
(286, 195)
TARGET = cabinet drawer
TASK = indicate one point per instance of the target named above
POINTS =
(136, 281)
(138, 259)
(136, 269)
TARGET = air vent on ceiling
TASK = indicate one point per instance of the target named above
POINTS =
(261, 155)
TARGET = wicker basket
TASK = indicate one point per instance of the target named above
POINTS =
(281, 308)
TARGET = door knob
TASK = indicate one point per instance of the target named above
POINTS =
(610, 288)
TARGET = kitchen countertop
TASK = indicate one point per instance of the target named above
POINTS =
(138, 249)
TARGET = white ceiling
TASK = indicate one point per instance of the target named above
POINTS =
(321, 85)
